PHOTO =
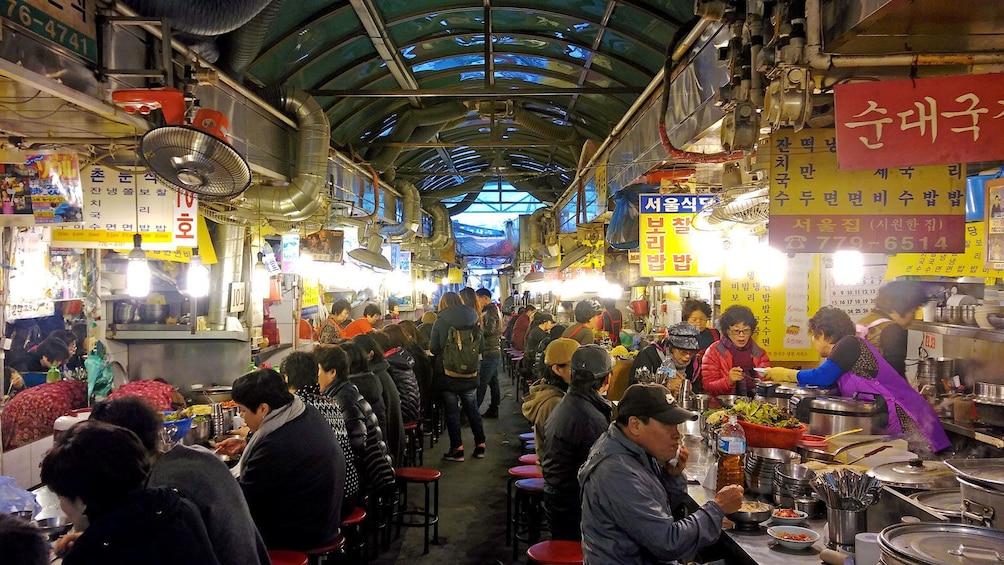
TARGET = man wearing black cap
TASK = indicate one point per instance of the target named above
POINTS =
(569, 432)
(630, 484)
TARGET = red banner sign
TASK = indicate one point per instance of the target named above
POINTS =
(957, 119)
(868, 234)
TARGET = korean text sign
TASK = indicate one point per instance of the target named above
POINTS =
(892, 123)
(969, 263)
(814, 208)
(667, 236)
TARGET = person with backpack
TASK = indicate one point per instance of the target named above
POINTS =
(885, 326)
(587, 312)
(456, 345)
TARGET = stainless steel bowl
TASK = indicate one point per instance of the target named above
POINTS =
(954, 314)
(154, 313)
(124, 312)
(989, 391)
(752, 517)
(728, 400)
(54, 527)
(968, 314)
(773, 454)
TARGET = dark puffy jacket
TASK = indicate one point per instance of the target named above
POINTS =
(371, 388)
(393, 432)
(402, 370)
(423, 373)
(375, 470)
(570, 430)
(491, 331)
(460, 317)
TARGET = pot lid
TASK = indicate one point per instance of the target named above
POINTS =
(940, 544)
(984, 471)
(944, 501)
(926, 475)
(842, 405)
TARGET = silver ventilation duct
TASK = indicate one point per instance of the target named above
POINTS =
(536, 235)
(303, 195)
(442, 227)
(228, 240)
(411, 217)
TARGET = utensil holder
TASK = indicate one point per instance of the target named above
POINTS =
(843, 525)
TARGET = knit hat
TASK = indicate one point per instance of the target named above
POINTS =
(649, 401)
(683, 336)
(559, 351)
(429, 318)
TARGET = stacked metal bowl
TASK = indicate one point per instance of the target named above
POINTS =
(760, 465)
(792, 488)
(989, 400)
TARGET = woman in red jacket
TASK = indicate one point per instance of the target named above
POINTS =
(727, 367)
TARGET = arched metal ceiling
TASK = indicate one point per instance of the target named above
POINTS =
(571, 68)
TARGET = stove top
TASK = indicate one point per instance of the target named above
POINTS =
(749, 529)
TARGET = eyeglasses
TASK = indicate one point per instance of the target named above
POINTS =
(740, 333)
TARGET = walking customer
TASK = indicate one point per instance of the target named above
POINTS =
(491, 353)
(630, 485)
(456, 331)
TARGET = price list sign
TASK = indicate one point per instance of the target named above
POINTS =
(119, 204)
(814, 208)
(783, 310)
(667, 237)
(969, 263)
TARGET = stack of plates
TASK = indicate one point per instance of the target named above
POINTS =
(761, 463)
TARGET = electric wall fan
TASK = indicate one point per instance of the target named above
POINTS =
(188, 154)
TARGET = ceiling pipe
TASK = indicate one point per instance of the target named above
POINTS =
(466, 187)
(240, 47)
(817, 59)
(410, 120)
(442, 227)
(302, 196)
(201, 17)
(463, 205)
(411, 216)
(536, 233)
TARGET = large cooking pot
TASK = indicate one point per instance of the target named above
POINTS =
(982, 506)
(936, 543)
(210, 395)
(834, 414)
(915, 474)
(800, 409)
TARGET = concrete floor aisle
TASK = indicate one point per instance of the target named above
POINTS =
(472, 495)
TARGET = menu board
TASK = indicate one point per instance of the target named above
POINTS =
(814, 208)
(783, 310)
(668, 242)
(969, 263)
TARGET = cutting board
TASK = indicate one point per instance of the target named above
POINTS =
(896, 451)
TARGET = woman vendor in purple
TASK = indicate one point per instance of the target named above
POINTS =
(856, 366)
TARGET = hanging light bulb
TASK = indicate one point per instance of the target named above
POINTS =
(259, 279)
(848, 267)
(198, 277)
(137, 270)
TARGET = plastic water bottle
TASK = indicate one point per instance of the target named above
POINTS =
(731, 448)
(53, 375)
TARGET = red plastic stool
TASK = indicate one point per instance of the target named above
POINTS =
(430, 512)
(413, 453)
(354, 527)
(287, 557)
(528, 459)
(320, 555)
(515, 474)
(556, 552)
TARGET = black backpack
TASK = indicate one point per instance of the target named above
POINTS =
(461, 352)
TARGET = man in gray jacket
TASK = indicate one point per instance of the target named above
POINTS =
(630, 485)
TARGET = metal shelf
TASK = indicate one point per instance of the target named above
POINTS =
(153, 332)
(952, 330)
(979, 434)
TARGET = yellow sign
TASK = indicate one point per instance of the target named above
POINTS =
(182, 255)
(311, 294)
(783, 310)
(667, 241)
(967, 264)
(455, 276)
(816, 208)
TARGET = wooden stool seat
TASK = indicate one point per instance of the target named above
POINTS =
(556, 552)
(287, 557)
(529, 459)
(417, 474)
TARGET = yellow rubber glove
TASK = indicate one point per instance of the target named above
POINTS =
(782, 375)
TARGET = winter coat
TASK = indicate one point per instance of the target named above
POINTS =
(402, 371)
(371, 388)
(372, 459)
(716, 365)
(491, 331)
(460, 317)
(153, 526)
(393, 433)
(626, 508)
(581, 333)
(533, 340)
(423, 374)
(538, 405)
(202, 478)
(294, 482)
(520, 329)
(572, 428)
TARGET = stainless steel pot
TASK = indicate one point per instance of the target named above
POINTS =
(199, 433)
(834, 414)
(798, 404)
(989, 391)
(931, 543)
(125, 312)
(982, 506)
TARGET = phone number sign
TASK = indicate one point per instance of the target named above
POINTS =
(814, 208)
(69, 23)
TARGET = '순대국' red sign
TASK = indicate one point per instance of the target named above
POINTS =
(924, 121)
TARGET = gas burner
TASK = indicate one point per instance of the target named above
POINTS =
(749, 528)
